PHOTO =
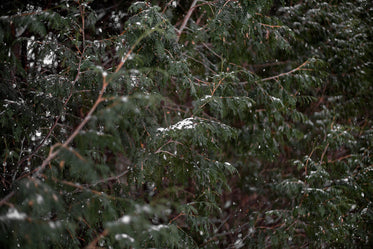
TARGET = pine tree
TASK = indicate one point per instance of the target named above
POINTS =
(186, 124)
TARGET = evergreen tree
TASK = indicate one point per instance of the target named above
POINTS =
(186, 124)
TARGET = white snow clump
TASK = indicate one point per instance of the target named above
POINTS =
(183, 124)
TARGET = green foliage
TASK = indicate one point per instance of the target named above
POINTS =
(151, 124)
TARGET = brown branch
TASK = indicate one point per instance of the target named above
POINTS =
(110, 178)
(271, 26)
(164, 151)
(52, 155)
(212, 51)
(124, 59)
(167, 4)
(194, 59)
(92, 245)
(186, 19)
(80, 187)
(309, 157)
(176, 217)
(219, 83)
(81, 8)
(340, 158)
(286, 73)
(324, 152)
(6, 198)
(269, 64)
(224, 6)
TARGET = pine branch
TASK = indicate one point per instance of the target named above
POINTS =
(58, 117)
(125, 58)
(99, 99)
(52, 154)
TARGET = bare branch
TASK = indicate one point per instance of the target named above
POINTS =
(110, 178)
(286, 73)
(186, 19)
(6, 198)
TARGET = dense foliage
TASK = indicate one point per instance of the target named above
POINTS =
(186, 124)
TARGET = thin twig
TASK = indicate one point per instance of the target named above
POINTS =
(308, 158)
(324, 152)
(110, 178)
(79, 186)
(271, 26)
(340, 158)
(6, 198)
(18, 164)
(164, 151)
(176, 217)
(223, 7)
(92, 245)
(167, 4)
(286, 73)
(212, 51)
(81, 8)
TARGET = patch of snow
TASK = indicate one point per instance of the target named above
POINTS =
(364, 211)
(206, 97)
(183, 124)
(274, 99)
(126, 219)
(315, 190)
(143, 208)
(48, 59)
(124, 236)
(54, 225)
(13, 214)
(227, 204)
(157, 227)
(239, 243)
(39, 199)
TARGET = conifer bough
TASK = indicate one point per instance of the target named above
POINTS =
(208, 124)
